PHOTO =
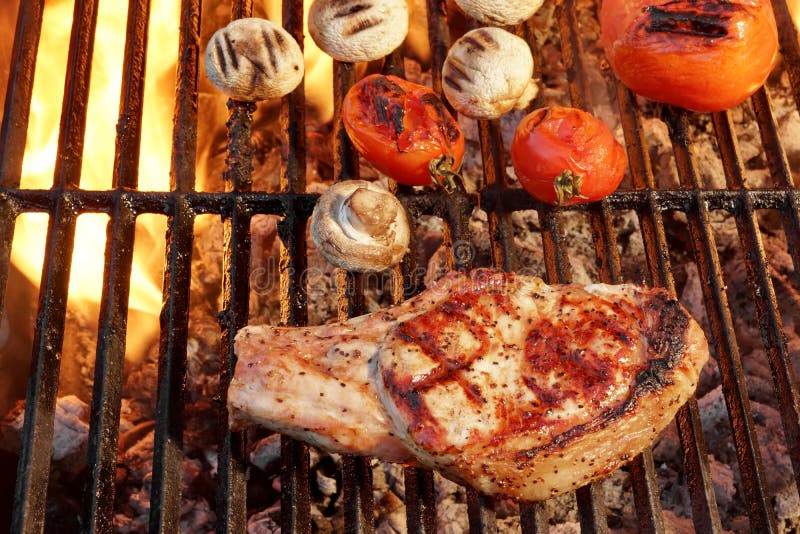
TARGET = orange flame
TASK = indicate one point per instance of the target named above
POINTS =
(318, 65)
(98, 157)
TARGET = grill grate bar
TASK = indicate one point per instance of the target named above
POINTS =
(129, 124)
(295, 500)
(789, 45)
(34, 463)
(15, 123)
(439, 40)
(293, 112)
(645, 486)
(19, 92)
(358, 499)
(760, 281)
(420, 501)
(37, 434)
(501, 228)
(645, 493)
(232, 483)
(165, 495)
(184, 134)
(98, 503)
(236, 295)
(295, 496)
(761, 514)
(664, 200)
(533, 518)
(480, 511)
(705, 513)
(592, 508)
(241, 9)
(456, 238)
(356, 470)
(167, 443)
(295, 491)
(420, 494)
(163, 203)
(770, 140)
(779, 170)
(98, 498)
(591, 500)
(605, 240)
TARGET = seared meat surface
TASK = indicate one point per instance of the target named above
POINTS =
(499, 381)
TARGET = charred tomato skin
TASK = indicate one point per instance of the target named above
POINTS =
(567, 148)
(702, 55)
(400, 127)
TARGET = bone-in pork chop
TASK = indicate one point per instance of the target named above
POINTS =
(497, 380)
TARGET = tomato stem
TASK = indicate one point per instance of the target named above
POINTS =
(568, 186)
(442, 173)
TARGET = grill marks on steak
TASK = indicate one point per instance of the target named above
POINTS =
(498, 380)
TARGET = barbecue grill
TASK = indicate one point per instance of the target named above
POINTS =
(239, 203)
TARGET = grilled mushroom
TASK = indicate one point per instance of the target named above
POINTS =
(254, 59)
(360, 226)
(358, 30)
(487, 73)
(500, 12)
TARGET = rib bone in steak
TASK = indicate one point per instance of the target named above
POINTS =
(497, 380)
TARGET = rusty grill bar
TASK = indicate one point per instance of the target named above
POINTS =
(239, 203)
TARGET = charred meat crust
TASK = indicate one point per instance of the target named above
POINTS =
(667, 339)
(666, 342)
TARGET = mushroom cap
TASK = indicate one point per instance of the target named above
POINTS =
(254, 59)
(488, 72)
(360, 226)
(500, 12)
(362, 30)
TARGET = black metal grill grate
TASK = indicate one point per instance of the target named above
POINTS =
(65, 201)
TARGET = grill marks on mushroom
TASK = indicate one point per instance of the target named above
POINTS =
(358, 30)
(360, 226)
(500, 12)
(254, 59)
(488, 72)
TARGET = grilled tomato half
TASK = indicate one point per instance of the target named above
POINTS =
(702, 55)
(566, 156)
(404, 130)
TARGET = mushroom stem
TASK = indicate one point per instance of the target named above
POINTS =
(369, 212)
